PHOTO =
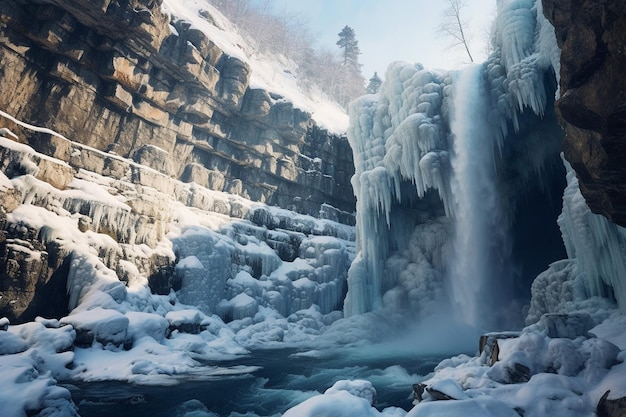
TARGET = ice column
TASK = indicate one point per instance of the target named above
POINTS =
(597, 245)
(398, 139)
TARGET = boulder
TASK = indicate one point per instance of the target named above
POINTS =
(155, 158)
(104, 326)
(18, 159)
(611, 408)
(489, 349)
(186, 321)
(11, 344)
(243, 306)
(358, 388)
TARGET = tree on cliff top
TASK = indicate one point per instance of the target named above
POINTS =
(350, 47)
(338, 75)
(351, 83)
(374, 84)
(453, 26)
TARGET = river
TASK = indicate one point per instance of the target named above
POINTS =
(282, 379)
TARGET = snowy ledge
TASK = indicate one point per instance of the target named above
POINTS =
(274, 74)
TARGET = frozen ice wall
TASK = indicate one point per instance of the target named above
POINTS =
(235, 273)
(591, 279)
(597, 245)
(421, 180)
(399, 144)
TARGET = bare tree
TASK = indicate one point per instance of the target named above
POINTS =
(453, 26)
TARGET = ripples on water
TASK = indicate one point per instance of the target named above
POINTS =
(284, 378)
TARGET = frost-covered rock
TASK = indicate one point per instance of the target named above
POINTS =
(142, 324)
(567, 325)
(243, 306)
(535, 374)
(358, 388)
(104, 326)
(10, 344)
(481, 406)
(186, 321)
(340, 403)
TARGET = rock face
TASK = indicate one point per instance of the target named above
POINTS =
(611, 408)
(115, 76)
(592, 105)
(154, 109)
(33, 280)
(61, 239)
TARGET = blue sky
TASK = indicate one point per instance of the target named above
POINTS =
(391, 30)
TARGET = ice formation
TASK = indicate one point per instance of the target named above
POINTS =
(591, 279)
(597, 245)
(398, 141)
(421, 137)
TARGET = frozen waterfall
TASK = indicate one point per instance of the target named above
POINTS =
(476, 203)
(432, 217)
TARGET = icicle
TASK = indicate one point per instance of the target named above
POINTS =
(597, 245)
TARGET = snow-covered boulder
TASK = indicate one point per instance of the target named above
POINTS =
(185, 321)
(475, 407)
(10, 344)
(359, 388)
(104, 326)
(243, 306)
(340, 403)
(570, 325)
(146, 324)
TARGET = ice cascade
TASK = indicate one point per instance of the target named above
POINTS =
(408, 182)
(597, 245)
(398, 141)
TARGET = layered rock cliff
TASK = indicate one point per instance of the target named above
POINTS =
(126, 78)
(117, 122)
(592, 103)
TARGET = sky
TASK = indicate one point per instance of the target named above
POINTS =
(394, 30)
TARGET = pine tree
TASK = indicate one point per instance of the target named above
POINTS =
(350, 83)
(350, 46)
(374, 84)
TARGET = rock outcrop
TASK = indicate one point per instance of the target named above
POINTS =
(611, 408)
(592, 103)
(126, 78)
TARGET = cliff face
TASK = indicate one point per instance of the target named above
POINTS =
(592, 104)
(120, 77)
(151, 118)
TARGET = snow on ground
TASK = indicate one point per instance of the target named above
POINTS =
(535, 376)
(275, 74)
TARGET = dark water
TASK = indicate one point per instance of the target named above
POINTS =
(283, 380)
